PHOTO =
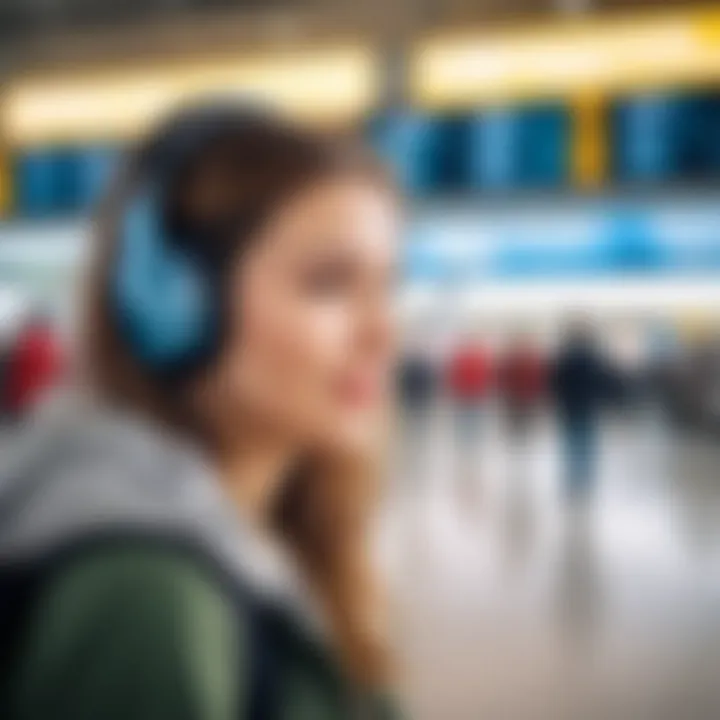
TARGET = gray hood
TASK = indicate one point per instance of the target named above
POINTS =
(78, 470)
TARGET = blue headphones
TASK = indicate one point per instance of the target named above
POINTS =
(163, 300)
(166, 300)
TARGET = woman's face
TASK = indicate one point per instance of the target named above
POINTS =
(311, 354)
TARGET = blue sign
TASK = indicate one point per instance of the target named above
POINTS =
(605, 239)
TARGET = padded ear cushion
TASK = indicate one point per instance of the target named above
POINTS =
(162, 298)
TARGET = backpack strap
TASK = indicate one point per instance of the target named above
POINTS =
(20, 585)
(264, 676)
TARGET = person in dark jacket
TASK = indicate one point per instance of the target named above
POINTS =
(579, 381)
(417, 389)
(417, 380)
(7, 338)
(186, 540)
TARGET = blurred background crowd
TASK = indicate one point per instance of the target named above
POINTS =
(556, 455)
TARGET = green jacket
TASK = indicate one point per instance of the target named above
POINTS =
(145, 627)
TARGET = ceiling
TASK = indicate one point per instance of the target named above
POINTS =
(39, 31)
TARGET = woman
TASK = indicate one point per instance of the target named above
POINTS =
(191, 542)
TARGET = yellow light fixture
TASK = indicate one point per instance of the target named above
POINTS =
(332, 85)
(589, 56)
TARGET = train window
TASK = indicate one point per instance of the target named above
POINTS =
(426, 152)
(499, 148)
(660, 138)
(58, 181)
(520, 147)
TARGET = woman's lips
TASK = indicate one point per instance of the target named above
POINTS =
(360, 391)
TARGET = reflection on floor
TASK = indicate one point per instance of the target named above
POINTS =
(510, 605)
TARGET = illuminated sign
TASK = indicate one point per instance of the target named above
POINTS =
(455, 247)
(332, 85)
(613, 55)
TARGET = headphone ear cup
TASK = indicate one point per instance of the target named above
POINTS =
(163, 300)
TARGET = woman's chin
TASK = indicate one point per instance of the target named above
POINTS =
(350, 435)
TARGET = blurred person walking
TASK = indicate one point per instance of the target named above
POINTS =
(579, 382)
(522, 379)
(34, 366)
(469, 383)
(417, 380)
(188, 540)
(417, 386)
(7, 342)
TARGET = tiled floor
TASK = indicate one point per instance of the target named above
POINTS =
(510, 605)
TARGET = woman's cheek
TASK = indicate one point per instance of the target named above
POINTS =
(322, 345)
(291, 359)
(329, 418)
(324, 355)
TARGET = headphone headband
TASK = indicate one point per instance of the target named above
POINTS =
(181, 138)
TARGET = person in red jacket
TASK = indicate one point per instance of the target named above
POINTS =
(469, 373)
(469, 382)
(522, 379)
(34, 366)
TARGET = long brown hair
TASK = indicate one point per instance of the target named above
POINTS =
(235, 182)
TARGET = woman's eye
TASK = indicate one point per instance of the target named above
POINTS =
(328, 279)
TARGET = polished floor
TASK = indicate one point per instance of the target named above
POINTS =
(510, 604)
